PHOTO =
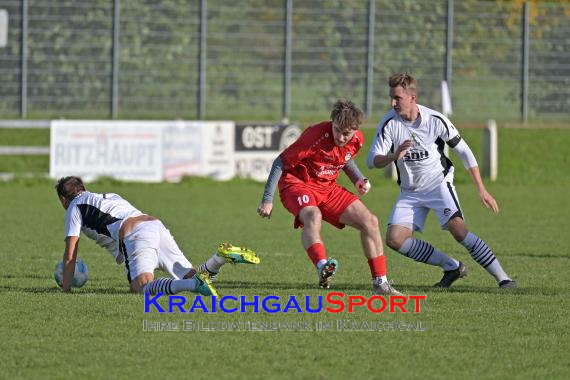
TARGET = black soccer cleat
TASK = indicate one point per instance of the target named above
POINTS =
(450, 276)
(508, 284)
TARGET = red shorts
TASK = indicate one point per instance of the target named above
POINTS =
(331, 200)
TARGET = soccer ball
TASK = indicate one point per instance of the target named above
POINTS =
(79, 277)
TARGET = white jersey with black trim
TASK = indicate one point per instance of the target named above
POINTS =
(425, 165)
(99, 217)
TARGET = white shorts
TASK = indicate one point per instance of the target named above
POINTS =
(151, 246)
(411, 209)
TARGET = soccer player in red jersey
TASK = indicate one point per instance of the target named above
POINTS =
(306, 173)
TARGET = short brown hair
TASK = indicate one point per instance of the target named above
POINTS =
(346, 114)
(69, 187)
(405, 80)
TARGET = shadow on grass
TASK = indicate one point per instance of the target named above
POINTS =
(54, 290)
(404, 288)
(525, 291)
(542, 255)
(259, 285)
(29, 276)
(346, 288)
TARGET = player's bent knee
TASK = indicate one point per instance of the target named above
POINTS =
(393, 242)
(138, 284)
(310, 215)
(374, 223)
(457, 228)
(361, 218)
(370, 224)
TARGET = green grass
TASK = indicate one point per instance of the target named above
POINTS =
(11, 136)
(474, 330)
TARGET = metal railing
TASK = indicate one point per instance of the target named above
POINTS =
(269, 59)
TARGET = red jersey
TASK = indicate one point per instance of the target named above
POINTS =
(315, 159)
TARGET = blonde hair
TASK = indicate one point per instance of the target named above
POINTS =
(406, 81)
(347, 115)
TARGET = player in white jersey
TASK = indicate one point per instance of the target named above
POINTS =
(413, 136)
(138, 240)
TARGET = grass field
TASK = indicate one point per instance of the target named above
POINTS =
(474, 330)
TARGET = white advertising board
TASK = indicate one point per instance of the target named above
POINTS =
(258, 144)
(199, 148)
(3, 28)
(255, 165)
(130, 150)
(165, 150)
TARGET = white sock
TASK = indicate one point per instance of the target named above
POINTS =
(321, 263)
(482, 254)
(424, 252)
(379, 280)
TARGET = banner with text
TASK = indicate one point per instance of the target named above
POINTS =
(166, 150)
(199, 148)
(257, 145)
(130, 150)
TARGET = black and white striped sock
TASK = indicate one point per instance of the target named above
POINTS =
(215, 263)
(206, 269)
(424, 252)
(160, 285)
(169, 286)
(482, 254)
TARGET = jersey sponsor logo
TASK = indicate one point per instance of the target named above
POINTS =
(329, 170)
(416, 155)
(347, 157)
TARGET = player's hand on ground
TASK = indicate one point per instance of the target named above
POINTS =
(264, 210)
(403, 149)
(488, 200)
(363, 186)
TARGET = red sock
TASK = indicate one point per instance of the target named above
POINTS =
(317, 252)
(377, 266)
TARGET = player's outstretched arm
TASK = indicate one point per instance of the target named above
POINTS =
(486, 198)
(470, 163)
(69, 258)
(266, 206)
